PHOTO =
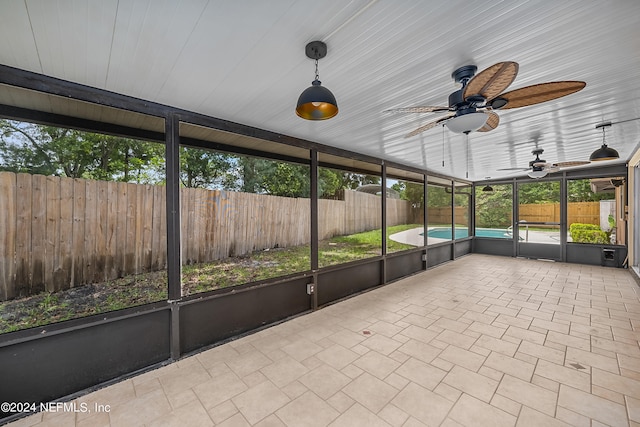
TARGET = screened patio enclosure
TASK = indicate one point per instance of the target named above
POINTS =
(158, 232)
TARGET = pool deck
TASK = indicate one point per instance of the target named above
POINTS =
(414, 237)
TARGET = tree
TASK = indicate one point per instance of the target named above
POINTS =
(48, 150)
(539, 192)
(285, 179)
(494, 209)
(579, 190)
(204, 168)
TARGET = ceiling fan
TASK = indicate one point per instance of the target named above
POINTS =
(471, 108)
(540, 168)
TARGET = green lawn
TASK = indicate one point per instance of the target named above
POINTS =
(46, 308)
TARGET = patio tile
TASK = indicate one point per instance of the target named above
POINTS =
(471, 383)
(426, 406)
(337, 356)
(370, 392)
(284, 371)
(260, 401)
(531, 418)
(497, 345)
(377, 364)
(470, 411)
(358, 416)
(592, 406)
(458, 356)
(564, 375)
(307, 410)
(586, 358)
(510, 365)
(541, 352)
(419, 350)
(456, 338)
(217, 390)
(421, 373)
(325, 381)
(528, 394)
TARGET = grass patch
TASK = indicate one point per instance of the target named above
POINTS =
(46, 308)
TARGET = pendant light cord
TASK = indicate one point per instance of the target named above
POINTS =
(317, 73)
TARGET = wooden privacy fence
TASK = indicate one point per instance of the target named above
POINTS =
(57, 233)
(583, 212)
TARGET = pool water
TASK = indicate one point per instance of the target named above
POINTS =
(445, 233)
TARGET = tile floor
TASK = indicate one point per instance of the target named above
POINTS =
(482, 341)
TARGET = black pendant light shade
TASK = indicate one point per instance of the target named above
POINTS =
(487, 188)
(604, 152)
(316, 102)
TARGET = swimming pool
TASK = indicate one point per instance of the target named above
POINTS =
(462, 232)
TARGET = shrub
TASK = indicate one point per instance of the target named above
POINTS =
(588, 233)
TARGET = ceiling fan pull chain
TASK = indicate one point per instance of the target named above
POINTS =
(442, 145)
(467, 174)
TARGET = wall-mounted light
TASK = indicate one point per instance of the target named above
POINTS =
(316, 102)
(604, 152)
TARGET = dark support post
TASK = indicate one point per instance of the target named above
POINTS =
(314, 225)
(563, 216)
(453, 220)
(514, 215)
(426, 222)
(383, 212)
(174, 263)
(471, 210)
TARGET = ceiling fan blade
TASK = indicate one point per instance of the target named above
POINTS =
(429, 125)
(492, 81)
(542, 92)
(420, 109)
(513, 169)
(492, 122)
(571, 163)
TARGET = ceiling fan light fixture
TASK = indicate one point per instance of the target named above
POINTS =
(604, 152)
(537, 174)
(316, 102)
(467, 122)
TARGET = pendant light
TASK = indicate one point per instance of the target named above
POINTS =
(487, 188)
(316, 102)
(604, 152)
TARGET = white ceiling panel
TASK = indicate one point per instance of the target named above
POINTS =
(244, 61)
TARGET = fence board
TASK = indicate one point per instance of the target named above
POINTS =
(147, 229)
(23, 234)
(52, 251)
(102, 224)
(79, 212)
(158, 213)
(38, 232)
(121, 229)
(8, 235)
(111, 231)
(139, 226)
(90, 223)
(130, 236)
(63, 274)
